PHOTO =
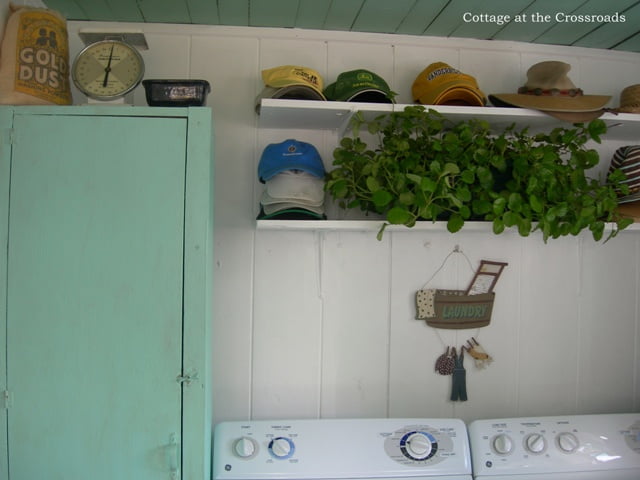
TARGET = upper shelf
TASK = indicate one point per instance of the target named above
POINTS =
(319, 115)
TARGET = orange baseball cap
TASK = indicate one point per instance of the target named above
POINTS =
(441, 84)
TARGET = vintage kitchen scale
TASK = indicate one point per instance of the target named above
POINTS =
(110, 65)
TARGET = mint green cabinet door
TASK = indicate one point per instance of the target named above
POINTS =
(95, 297)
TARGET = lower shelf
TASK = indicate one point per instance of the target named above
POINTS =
(374, 225)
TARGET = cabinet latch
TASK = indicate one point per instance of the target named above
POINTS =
(187, 378)
(7, 136)
(7, 399)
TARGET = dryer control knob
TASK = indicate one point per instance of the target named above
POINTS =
(245, 447)
(418, 446)
(502, 444)
(567, 442)
(281, 448)
(535, 443)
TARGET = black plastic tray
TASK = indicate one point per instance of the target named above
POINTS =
(176, 93)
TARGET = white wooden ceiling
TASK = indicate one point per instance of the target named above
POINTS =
(559, 22)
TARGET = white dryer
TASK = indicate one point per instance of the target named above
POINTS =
(578, 447)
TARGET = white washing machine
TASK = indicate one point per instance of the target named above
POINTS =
(390, 449)
(579, 447)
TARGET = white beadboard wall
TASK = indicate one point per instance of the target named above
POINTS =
(320, 324)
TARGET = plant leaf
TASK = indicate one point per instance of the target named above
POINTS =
(381, 198)
(455, 223)
(398, 216)
(450, 169)
(372, 184)
(536, 204)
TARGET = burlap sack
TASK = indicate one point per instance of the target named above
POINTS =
(34, 59)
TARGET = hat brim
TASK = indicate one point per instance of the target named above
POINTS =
(294, 186)
(630, 210)
(290, 214)
(628, 109)
(292, 165)
(584, 103)
(576, 117)
(370, 95)
(634, 197)
(452, 93)
(297, 92)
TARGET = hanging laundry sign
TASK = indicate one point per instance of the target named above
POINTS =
(453, 308)
(458, 309)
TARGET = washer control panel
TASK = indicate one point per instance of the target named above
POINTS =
(569, 444)
(341, 448)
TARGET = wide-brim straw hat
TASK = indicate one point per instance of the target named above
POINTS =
(550, 90)
(630, 100)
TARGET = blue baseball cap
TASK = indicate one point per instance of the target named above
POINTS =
(290, 155)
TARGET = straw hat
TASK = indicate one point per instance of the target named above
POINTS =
(549, 89)
(630, 100)
(627, 159)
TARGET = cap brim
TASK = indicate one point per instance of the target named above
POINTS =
(294, 186)
(268, 175)
(290, 214)
(370, 95)
(277, 207)
(584, 103)
(297, 92)
(461, 96)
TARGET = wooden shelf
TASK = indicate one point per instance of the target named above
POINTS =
(319, 115)
(374, 226)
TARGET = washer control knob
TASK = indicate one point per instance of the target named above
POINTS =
(502, 444)
(418, 446)
(281, 448)
(567, 442)
(245, 447)
(535, 443)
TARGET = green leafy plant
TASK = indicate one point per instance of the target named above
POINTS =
(425, 167)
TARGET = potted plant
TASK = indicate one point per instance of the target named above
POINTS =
(425, 167)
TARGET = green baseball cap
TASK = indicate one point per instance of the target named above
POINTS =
(359, 86)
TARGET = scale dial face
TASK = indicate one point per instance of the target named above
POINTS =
(108, 69)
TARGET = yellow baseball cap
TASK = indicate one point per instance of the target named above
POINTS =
(294, 76)
(441, 84)
(292, 82)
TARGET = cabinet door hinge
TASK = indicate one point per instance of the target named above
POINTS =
(6, 398)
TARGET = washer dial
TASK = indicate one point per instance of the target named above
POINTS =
(418, 445)
(502, 444)
(281, 448)
(567, 442)
(421, 445)
(245, 447)
(535, 443)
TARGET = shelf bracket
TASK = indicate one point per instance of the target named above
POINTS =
(346, 121)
